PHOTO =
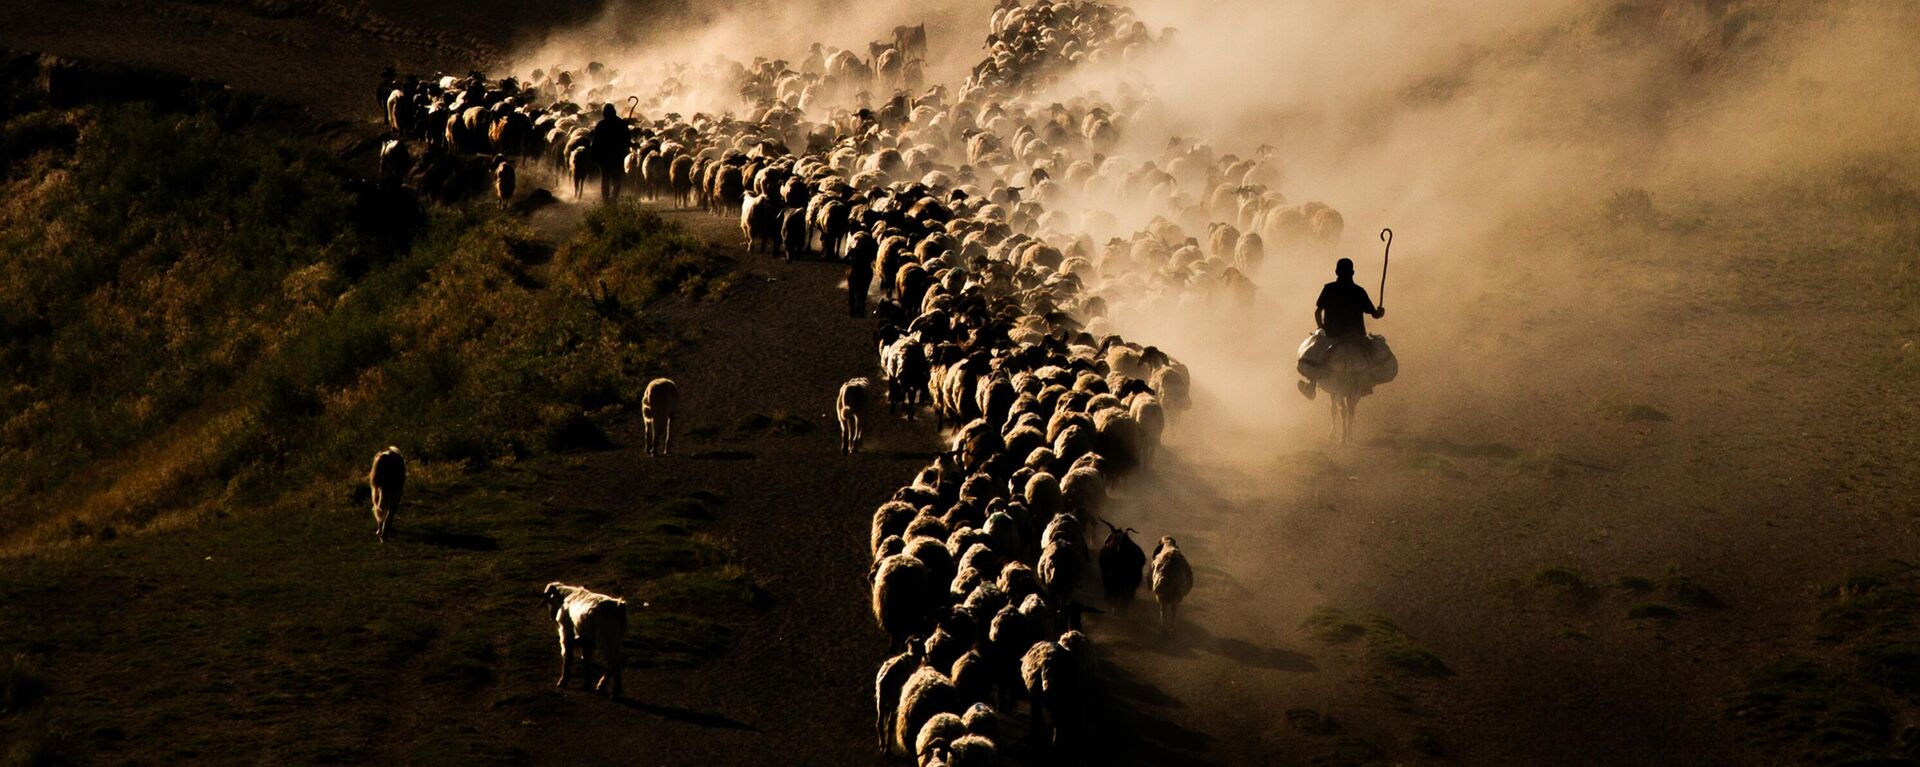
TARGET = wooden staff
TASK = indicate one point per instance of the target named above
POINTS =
(1386, 235)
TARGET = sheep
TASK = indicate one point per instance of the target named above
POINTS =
(891, 519)
(1121, 564)
(900, 591)
(982, 720)
(972, 751)
(1172, 580)
(658, 405)
(937, 734)
(579, 165)
(388, 481)
(1052, 676)
(1062, 562)
(395, 162)
(586, 621)
(850, 406)
(503, 181)
(886, 691)
(927, 693)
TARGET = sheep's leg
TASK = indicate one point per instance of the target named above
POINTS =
(1037, 724)
(666, 436)
(587, 660)
(566, 658)
(616, 668)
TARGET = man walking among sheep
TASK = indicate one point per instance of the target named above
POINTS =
(1341, 314)
(611, 140)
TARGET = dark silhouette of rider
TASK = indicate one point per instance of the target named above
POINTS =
(1343, 305)
(611, 140)
(1342, 312)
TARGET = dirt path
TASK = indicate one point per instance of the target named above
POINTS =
(796, 684)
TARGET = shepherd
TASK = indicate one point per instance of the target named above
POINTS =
(1341, 357)
(611, 139)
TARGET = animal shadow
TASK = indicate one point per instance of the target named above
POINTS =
(441, 537)
(724, 455)
(689, 716)
(1140, 736)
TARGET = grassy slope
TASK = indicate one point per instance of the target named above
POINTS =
(209, 327)
(200, 319)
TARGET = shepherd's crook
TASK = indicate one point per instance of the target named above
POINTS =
(1386, 235)
(633, 102)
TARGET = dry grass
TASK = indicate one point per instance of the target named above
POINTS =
(199, 320)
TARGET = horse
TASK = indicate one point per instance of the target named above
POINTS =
(1348, 376)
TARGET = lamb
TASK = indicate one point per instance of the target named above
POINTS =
(851, 405)
(586, 621)
(657, 408)
(388, 480)
(503, 180)
(579, 165)
(395, 162)
(1121, 563)
(1172, 580)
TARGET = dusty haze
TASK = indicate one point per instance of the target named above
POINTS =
(1491, 137)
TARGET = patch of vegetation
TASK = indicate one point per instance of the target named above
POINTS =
(1332, 624)
(1687, 591)
(1386, 643)
(1567, 586)
(1620, 406)
(779, 422)
(1631, 207)
(1839, 713)
(1652, 611)
(197, 317)
(1874, 602)
(1823, 717)
(1310, 722)
(1634, 583)
(22, 683)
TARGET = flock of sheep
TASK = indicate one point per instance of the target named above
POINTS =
(983, 213)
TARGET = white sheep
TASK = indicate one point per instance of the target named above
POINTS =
(586, 621)
(503, 181)
(579, 165)
(657, 408)
(388, 480)
(1172, 580)
(851, 406)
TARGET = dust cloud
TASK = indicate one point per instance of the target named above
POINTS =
(1482, 133)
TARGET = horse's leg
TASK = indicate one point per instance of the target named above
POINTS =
(1346, 433)
(1333, 428)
